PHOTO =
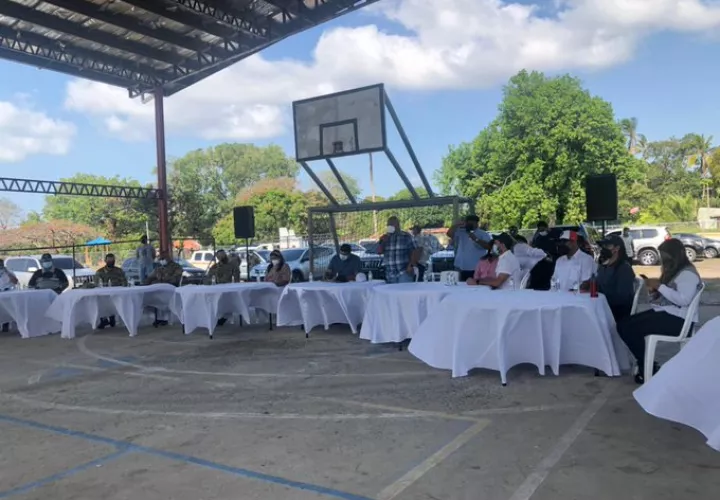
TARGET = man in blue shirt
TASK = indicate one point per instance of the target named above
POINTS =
(471, 244)
(400, 254)
(343, 266)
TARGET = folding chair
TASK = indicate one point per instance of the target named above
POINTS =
(639, 282)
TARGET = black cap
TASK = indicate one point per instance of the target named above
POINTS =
(505, 239)
(612, 240)
(472, 218)
(345, 248)
(46, 257)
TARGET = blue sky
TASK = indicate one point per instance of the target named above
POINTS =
(661, 70)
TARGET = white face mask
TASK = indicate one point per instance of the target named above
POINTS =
(496, 250)
(542, 233)
(391, 229)
(163, 262)
(275, 262)
(343, 257)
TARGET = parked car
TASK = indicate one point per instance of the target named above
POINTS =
(712, 248)
(299, 261)
(191, 275)
(646, 240)
(694, 245)
(202, 259)
(23, 267)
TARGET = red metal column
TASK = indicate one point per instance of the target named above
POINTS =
(161, 171)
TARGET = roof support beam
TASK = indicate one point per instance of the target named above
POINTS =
(76, 189)
(18, 11)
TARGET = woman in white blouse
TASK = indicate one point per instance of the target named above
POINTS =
(670, 297)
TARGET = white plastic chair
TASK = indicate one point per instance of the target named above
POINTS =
(639, 282)
(651, 341)
(525, 281)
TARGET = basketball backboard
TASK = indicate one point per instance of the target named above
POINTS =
(341, 124)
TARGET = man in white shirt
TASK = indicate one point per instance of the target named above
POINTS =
(507, 272)
(629, 244)
(574, 267)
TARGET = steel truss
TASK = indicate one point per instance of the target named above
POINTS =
(77, 189)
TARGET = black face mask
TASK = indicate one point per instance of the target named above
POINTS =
(224, 260)
(110, 263)
(469, 227)
(563, 249)
(605, 254)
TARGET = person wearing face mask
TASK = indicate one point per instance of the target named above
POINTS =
(145, 255)
(400, 253)
(573, 266)
(168, 271)
(427, 245)
(507, 271)
(48, 277)
(471, 244)
(670, 297)
(527, 256)
(541, 234)
(278, 271)
(615, 277)
(224, 270)
(110, 275)
(343, 266)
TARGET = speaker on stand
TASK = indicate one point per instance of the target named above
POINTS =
(601, 199)
(244, 222)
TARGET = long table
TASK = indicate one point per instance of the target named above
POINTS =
(26, 308)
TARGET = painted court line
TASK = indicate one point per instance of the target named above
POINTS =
(62, 475)
(417, 472)
(179, 457)
(538, 476)
(399, 409)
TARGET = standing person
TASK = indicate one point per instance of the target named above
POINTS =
(344, 266)
(48, 277)
(7, 278)
(514, 232)
(629, 244)
(110, 275)
(541, 233)
(670, 297)
(400, 253)
(278, 271)
(507, 271)
(471, 244)
(573, 266)
(427, 245)
(527, 256)
(224, 270)
(145, 255)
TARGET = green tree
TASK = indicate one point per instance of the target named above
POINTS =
(701, 148)
(532, 160)
(117, 218)
(635, 142)
(332, 184)
(9, 213)
(203, 184)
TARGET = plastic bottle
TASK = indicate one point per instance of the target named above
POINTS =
(370, 276)
(213, 281)
(593, 286)
(310, 277)
(511, 283)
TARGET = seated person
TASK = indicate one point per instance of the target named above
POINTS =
(670, 297)
(485, 269)
(110, 275)
(574, 266)
(343, 266)
(48, 277)
(507, 272)
(168, 271)
(278, 271)
(7, 281)
(615, 277)
(225, 270)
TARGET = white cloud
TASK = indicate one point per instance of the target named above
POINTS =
(25, 132)
(445, 45)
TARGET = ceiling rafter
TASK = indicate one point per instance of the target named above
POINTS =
(9, 184)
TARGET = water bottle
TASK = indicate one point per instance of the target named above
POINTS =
(370, 277)
(110, 283)
(554, 286)
(232, 279)
(100, 283)
(426, 276)
(575, 287)
(213, 280)
(511, 283)
(310, 277)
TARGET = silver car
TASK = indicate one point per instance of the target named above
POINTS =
(299, 261)
(646, 240)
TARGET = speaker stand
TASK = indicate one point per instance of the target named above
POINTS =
(247, 257)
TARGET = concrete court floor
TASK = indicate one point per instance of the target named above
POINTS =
(265, 415)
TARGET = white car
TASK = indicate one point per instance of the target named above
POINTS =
(24, 267)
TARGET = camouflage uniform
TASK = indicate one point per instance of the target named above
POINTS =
(111, 276)
(224, 272)
(170, 273)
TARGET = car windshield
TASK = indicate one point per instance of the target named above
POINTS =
(67, 263)
(293, 254)
(371, 247)
(183, 263)
(264, 254)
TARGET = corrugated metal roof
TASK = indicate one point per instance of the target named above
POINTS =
(145, 44)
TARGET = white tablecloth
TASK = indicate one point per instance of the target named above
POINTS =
(501, 329)
(27, 309)
(321, 303)
(394, 312)
(200, 306)
(687, 388)
(87, 306)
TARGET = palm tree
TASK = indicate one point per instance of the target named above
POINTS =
(702, 147)
(629, 129)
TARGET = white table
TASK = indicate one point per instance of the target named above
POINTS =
(686, 388)
(27, 309)
(395, 312)
(324, 303)
(201, 306)
(501, 329)
(87, 306)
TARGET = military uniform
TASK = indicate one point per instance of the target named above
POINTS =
(225, 272)
(111, 276)
(169, 273)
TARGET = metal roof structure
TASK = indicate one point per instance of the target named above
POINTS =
(146, 45)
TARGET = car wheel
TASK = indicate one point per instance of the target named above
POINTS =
(297, 276)
(648, 258)
(711, 252)
(691, 254)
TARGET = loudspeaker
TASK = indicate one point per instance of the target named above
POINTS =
(601, 198)
(244, 219)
